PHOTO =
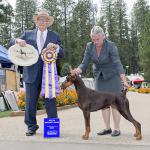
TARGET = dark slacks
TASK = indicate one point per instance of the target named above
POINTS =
(51, 108)
(32, 94)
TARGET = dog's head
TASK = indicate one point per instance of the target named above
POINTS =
(70, 79)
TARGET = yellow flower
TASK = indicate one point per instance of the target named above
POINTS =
(66, 97)
(144, 90)
(66, 101)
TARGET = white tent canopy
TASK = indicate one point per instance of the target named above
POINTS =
(135, 78)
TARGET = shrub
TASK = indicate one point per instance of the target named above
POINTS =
(144, 90)
(66, 97)
(140, 90)
(21, 100)
(132, 89)
(40, 104)
(65, 69)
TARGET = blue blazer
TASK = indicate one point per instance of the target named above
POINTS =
(30, 72)
(107, 64)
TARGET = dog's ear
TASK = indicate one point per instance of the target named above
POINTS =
(70, 68)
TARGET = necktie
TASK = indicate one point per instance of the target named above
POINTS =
(41, 41)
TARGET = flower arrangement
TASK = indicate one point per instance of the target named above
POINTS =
(21, 100)
(132, 89)
(140, 90)
(144, 90)
(66, 97)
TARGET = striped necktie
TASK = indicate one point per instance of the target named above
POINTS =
(41, 41)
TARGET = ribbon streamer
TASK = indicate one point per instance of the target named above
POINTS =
(50, 86)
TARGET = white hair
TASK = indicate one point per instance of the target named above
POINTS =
(97, 30)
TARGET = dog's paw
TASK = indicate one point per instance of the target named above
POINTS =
(85, 137)
(135, 134)
(139, 137)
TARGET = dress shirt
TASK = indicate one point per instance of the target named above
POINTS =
(38, 39)
(44, 36)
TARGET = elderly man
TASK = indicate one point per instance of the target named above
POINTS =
(40, 38)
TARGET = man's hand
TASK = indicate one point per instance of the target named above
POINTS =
(52, 46)
(21, 42)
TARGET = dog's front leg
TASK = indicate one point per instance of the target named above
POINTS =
(87, 124)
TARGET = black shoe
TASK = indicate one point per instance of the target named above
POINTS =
(37, 127)
(31, 132)
(104, 132)
(115, 133)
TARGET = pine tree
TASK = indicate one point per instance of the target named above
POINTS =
(107, 19)
(135, 49)
(122, 32)
(6, 25)
(142, 22)
(25, 9)
(52, 6)
(2, 7)
(79, 31)
(115, 24)
(61, 11)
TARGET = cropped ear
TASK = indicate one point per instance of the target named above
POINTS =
(70, 68)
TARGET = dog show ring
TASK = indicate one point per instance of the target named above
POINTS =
(23, 56)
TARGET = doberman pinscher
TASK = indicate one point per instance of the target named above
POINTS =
(91, 100)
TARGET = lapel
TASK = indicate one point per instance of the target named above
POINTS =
(35, 38)
(102, 53)
(94, 52)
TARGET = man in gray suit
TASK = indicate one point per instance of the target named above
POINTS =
(107, 70)
(40, 38)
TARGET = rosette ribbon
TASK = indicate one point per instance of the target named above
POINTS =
(50, 86)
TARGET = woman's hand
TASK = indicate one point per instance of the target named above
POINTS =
(76, 71)
(124, 79)
(126, 85)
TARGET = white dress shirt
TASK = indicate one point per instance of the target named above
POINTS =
(38, 39)
(44, 36)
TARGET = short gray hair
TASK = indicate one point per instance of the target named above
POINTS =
(97, 30)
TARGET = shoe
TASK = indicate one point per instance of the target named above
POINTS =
(37, 127)
(32, 132)
(115, 133)
(104, 132)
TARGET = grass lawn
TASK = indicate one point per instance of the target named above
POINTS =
(5, 113)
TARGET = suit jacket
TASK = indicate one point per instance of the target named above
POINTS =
(107, 64)
(30, 72)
